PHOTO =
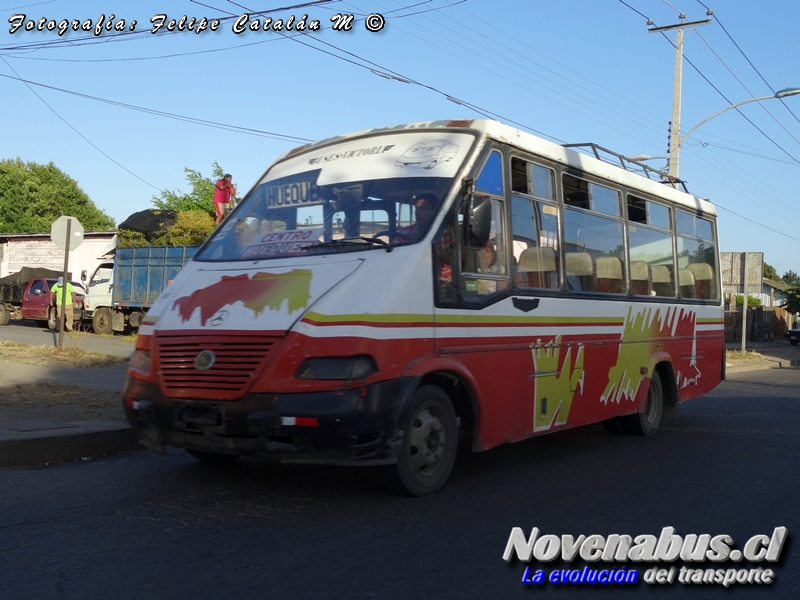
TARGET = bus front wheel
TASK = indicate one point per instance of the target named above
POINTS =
(647, 421)
(430, 440)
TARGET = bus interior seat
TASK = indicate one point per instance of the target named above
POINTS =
(640, 278)
(703, 280)
(609, 275)
(686, 283)
(580, 271)
(662, 281)
(537, 268)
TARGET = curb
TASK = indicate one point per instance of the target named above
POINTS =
(43, 450)
(762, 365)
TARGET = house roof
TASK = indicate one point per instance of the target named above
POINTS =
(777, 284)
(7, 236)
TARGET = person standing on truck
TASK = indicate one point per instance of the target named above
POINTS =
(57, 293)
(224, 191)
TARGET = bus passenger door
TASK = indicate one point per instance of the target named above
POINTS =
(475, 314)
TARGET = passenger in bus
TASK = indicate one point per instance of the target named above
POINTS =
(424, 208)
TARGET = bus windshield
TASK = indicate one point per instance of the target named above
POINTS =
(360, 195)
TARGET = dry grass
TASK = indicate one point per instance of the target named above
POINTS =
(52, 394)
(72, 354)
(733, 356)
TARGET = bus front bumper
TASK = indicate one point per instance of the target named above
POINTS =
(353, 426)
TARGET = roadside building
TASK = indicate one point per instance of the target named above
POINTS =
(19, 250)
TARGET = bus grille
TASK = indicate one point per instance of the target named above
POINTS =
(238, 359)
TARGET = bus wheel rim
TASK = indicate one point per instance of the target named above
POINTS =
(427, 442)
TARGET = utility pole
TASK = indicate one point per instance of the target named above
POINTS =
(675, 130)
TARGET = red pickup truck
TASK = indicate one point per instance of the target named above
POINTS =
(33, 302)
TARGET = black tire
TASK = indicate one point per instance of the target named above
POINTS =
(759, 335)
(793, 342)
(430, 440)
(135, 319)
(52, 319)
(5, 315)
(101, 321)
(647, 421)
(211, 458)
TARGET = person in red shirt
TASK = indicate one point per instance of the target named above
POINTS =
(224, 190)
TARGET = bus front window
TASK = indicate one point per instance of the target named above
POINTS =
(320, 203)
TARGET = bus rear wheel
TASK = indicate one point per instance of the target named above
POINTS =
(647, 421)
(430, 439)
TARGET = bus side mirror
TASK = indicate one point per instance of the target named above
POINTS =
(477, 217)
(83, 275)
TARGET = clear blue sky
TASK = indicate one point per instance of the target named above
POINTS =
(575, 71)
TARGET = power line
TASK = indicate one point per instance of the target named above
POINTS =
(716, 89)
(67, 123)
(764, 108)
(247, 130)
(591, 104)
(757, 155)
(137, 58)
(730, 37)
(402, 78)
(786, 235)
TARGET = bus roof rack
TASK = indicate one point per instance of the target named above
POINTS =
(629, 164)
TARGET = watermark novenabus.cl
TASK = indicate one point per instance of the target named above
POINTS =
(666, 547)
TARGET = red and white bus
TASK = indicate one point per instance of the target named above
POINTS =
(363, 306)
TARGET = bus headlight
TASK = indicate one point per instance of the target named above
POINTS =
(346, 368)
(140, 361)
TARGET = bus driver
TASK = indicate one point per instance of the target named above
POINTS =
(424, 208)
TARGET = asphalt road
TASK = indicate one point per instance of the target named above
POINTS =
(144, 526)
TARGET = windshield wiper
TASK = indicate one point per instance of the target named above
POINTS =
(357, 241)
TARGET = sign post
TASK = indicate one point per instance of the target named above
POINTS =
(66, 232)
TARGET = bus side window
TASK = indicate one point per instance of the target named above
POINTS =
(490, 263)
(686, 283)
(641, 283)
(538, 268)
(663, 284)
(580, 272)
(534, 226)
(697, 256)
(703, 280)
(609, 275)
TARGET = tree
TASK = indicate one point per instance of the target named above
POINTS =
(770, 272)
(793, 299)
(200, 198)
(32, 196)
(791, 278)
